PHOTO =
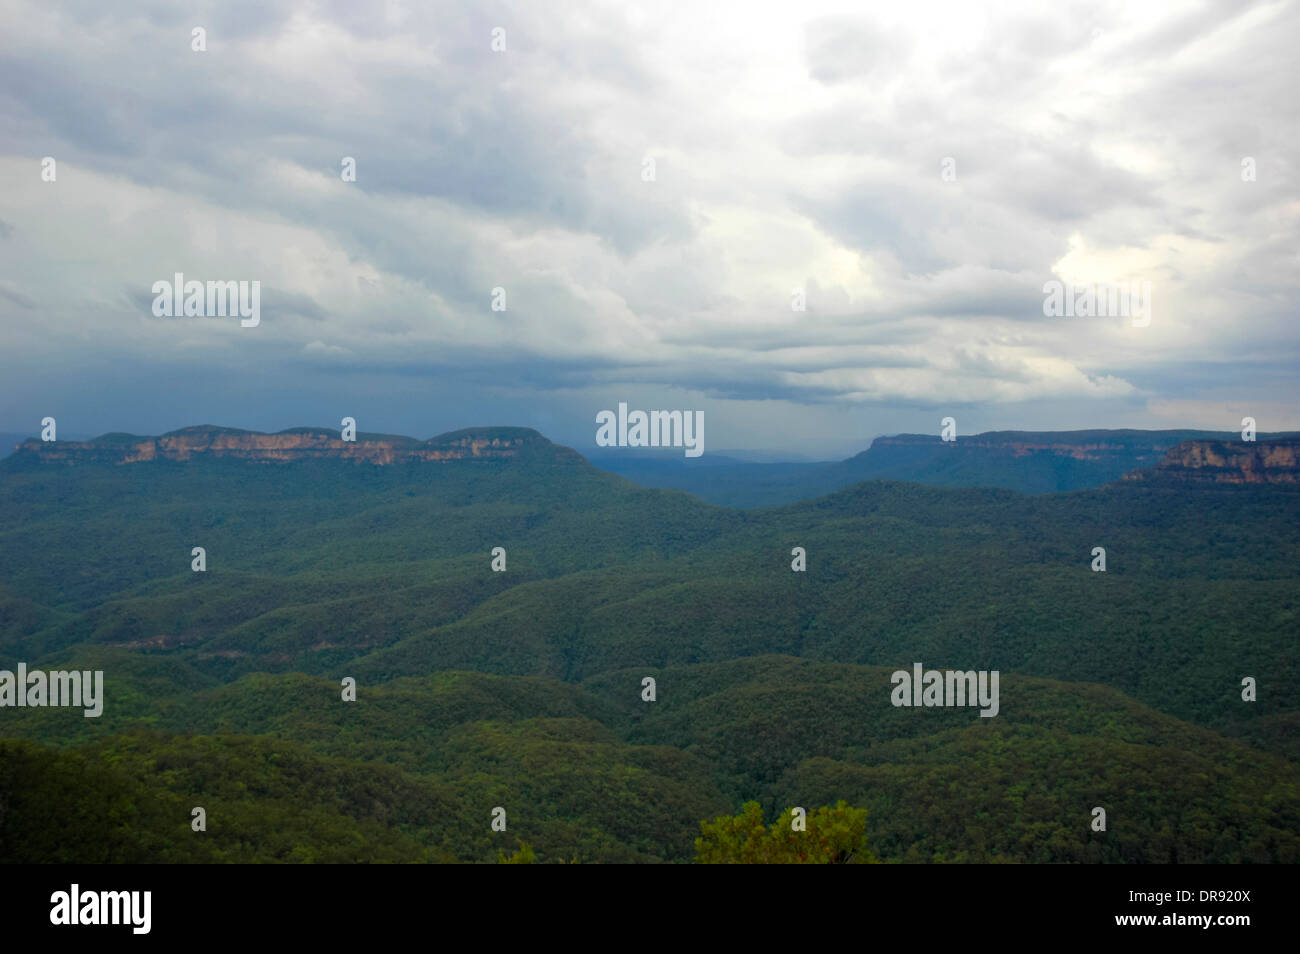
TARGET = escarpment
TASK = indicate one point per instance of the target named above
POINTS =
(1227, 462)
(488, 443)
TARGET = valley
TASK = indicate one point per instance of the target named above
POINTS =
(523, 688)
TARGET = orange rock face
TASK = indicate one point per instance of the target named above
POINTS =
(1221, 462)
(280, 447)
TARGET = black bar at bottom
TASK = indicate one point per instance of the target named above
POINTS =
(331, 904)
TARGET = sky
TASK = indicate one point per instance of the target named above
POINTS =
(651, 191)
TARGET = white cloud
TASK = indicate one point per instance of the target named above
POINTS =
(797, 145)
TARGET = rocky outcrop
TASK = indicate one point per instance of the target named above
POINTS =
(488, 443)
(1228, 462)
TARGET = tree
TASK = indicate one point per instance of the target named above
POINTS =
(833, 836)
(524, 856)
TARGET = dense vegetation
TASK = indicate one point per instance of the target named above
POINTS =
(523, 689)
(834, 836)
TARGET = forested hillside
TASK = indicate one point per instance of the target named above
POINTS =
(523, 687)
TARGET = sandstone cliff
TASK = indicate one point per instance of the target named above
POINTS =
(1228, 462)
(488, 443)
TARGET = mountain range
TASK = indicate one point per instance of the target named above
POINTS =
(1029, 462)
(522, 686)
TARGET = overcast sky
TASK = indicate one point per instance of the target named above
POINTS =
(795, 146)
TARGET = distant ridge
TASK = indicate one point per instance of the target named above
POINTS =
(1025, 461)
(296, 443)
(1030, 462)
